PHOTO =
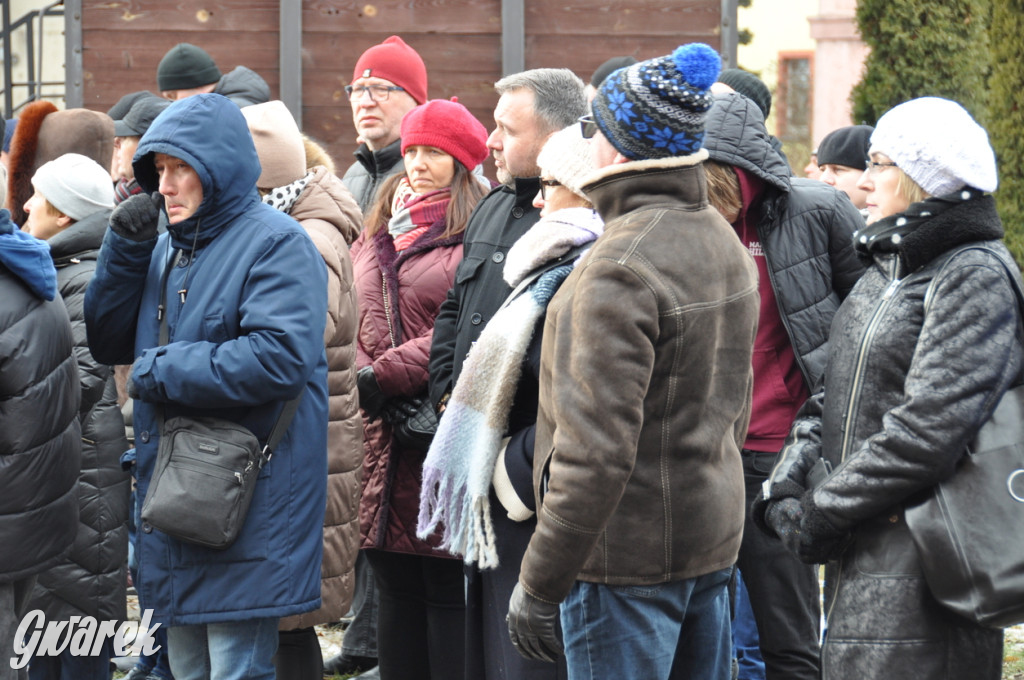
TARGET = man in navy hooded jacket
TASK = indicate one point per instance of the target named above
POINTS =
(246, 304)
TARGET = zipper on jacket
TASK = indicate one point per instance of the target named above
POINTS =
(387, 308)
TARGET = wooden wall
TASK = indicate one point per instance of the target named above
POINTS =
(459, 40)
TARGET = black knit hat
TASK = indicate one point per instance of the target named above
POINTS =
(184, 67)
(750, 86)
(140, 116)
(609, 67)
(846, 146)
(656, 109)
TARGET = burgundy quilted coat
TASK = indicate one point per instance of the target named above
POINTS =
(399, 297)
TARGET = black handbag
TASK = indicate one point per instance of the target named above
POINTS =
(413, 421)
(967, 528)
(206, 470)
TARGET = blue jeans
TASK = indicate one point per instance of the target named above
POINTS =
(234, 650)
(666, 631)
(745, 643)
(70, 667)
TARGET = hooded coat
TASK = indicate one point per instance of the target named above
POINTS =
(40, 436)
(247, 337)
(91, 580)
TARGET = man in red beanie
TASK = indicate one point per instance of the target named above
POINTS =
(389, 80)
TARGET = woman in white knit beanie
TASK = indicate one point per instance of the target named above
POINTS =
(921, 351)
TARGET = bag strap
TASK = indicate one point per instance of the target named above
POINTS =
(284, 418)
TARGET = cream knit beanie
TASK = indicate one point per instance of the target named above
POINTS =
(278, 144)
(566, 157)
(75, 185)
(938, 144)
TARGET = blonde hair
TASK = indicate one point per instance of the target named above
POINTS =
(908, 188)
(723, 189)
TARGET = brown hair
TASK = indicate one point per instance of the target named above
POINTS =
(466, 189)
(723, 189)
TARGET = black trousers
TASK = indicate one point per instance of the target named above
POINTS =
(298, 655)
(422, 616)
(784, 592)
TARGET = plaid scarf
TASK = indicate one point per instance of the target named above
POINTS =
(459, 466)
(125, 188)
(412, 213)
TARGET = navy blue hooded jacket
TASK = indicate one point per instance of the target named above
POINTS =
(248, 337)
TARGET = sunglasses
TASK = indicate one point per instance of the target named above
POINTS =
(588, 126)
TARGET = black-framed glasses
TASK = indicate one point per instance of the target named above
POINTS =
(547, 183)
(378, 93)
(588, 126)
(874, 167)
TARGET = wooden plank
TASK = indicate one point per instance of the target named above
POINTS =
(175, 18)
(612, 18)
(401, 17)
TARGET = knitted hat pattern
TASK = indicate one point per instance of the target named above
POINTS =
(846, 146)
(395, 61)
(449, 126)
(184, 67)
(566, 158)
(937, 144)
(750, 86)
(278, 144)
(657, 108)
(75, 185)
(609, 67)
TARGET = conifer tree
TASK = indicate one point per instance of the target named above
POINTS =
(1006, 117)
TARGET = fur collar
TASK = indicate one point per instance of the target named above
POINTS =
(648, 165)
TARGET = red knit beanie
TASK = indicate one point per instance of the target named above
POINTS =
(449, 126)
(395, 61)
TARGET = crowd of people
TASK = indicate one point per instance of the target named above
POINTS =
(564, 424)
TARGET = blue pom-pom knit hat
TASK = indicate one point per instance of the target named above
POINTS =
(657, 108)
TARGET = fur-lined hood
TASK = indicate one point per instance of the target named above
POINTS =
(45, 133)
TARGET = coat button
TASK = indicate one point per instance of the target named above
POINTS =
(146, 528)
(517, 212)
(183, 261)
(893, 519)
(144, 436)
(476, 319)
(498, 257)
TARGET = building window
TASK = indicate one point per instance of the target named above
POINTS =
(794, 97)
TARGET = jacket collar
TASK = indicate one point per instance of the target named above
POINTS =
(379, 161)
(624, 187)
(80, 239)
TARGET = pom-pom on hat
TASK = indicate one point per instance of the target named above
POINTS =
(846, 146)
(937, 144)
(395, 61)
(75, 185)
(656, 109)
(278, 144)
(184, 67)
(566, 157)
(449, 126)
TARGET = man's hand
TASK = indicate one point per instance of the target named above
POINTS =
(533, 626)
(136, 218)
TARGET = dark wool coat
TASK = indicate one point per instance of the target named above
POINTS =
(40, 436)
(399, 297)
(248, 337)
(904, 392)
(91, 581)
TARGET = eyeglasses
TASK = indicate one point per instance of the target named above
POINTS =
(874, 167)
(547, 183)
(378, 93)
(588, 126)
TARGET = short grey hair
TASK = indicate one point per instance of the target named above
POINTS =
(558, 96)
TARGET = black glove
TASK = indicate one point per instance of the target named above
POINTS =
(784, 518)
(136, 218)
(371, 399)
(533, 626)
(413, 422)
(820, 541)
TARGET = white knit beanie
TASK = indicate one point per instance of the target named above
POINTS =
(566, 157)
(938, 144)
(278, 144)
(75, 185)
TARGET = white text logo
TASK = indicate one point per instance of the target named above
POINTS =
(80, 635)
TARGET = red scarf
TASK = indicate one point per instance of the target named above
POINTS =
(422, 210)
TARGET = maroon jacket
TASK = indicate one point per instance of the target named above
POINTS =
(415, 283)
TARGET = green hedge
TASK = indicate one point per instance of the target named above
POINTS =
(1006, 117)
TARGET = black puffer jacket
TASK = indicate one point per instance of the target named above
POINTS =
(905, 389)
(364, 177)
(90, 581)
(806, 229)
(498, 221)
(40, 436)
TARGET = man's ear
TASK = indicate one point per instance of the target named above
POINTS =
(619, 158)
(64, 222)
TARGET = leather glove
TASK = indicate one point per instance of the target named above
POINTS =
(533, 626)
(136, 218)
(784, 518)
(820, 541)
(371, 399)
